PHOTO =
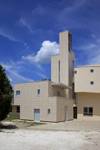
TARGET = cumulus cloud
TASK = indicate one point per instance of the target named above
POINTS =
(44, 54)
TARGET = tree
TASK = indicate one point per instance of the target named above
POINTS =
(6, 94)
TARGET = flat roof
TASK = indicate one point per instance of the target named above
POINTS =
(32, 82)
(84, 66)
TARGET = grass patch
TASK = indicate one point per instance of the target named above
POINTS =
(12, 116)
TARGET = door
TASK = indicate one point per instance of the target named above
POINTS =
(75, 112)
(37, 115)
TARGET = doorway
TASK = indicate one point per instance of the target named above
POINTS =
(37, 115)
(75, 112)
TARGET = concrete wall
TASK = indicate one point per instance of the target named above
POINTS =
(27, 111)
(64, 109)
(55, 68)
(48, 99)
(84, 76)
(89, 100)
(29, 92)
(66, 59)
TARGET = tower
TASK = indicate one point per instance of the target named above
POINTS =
(62, 64)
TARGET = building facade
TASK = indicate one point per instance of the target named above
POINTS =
(71, 93)
(87, 89)
(49, 100)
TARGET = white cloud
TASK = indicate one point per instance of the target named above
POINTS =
(5, 33)
(44, 54)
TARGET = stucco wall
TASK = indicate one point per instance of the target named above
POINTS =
(64, 109)
(55, 68)
(89, 100)
(84, 76)
(47, 99)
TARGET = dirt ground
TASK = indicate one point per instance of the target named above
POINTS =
(28, 136)
(20, 139)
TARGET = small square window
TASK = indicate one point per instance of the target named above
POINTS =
(38, 92)
(49, 111)
(75, 72)
(91, 82)
(18, 92)
(91, 70)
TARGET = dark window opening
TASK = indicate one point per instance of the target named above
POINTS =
(91, 82)
(18, 109)
(75, 71)
(49, 111)
(69, 41)
(18, 92)
(88, 111)
(38, 91)
(59, 70)
(91, 70)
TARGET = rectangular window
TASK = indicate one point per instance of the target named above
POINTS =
(88, 111)
(75, 72)
(18, 109)
(91, 70)
(18, 92)
(59, 70)
(38, 91)
(69, 41)
(49, 111)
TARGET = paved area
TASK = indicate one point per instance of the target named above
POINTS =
(74, 125)
(71, 135)
(23, 139)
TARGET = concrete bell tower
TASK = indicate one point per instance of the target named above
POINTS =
(62, 65)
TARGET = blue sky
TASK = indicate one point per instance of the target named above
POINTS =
(29, 31)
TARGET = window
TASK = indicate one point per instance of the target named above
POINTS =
(75, 71)
(91, 82)
(59, 70)
(69, 41)
(49, 111)
(38, 91)
(18, 92)
(88, 111)
(18, 109)
(91, 70)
